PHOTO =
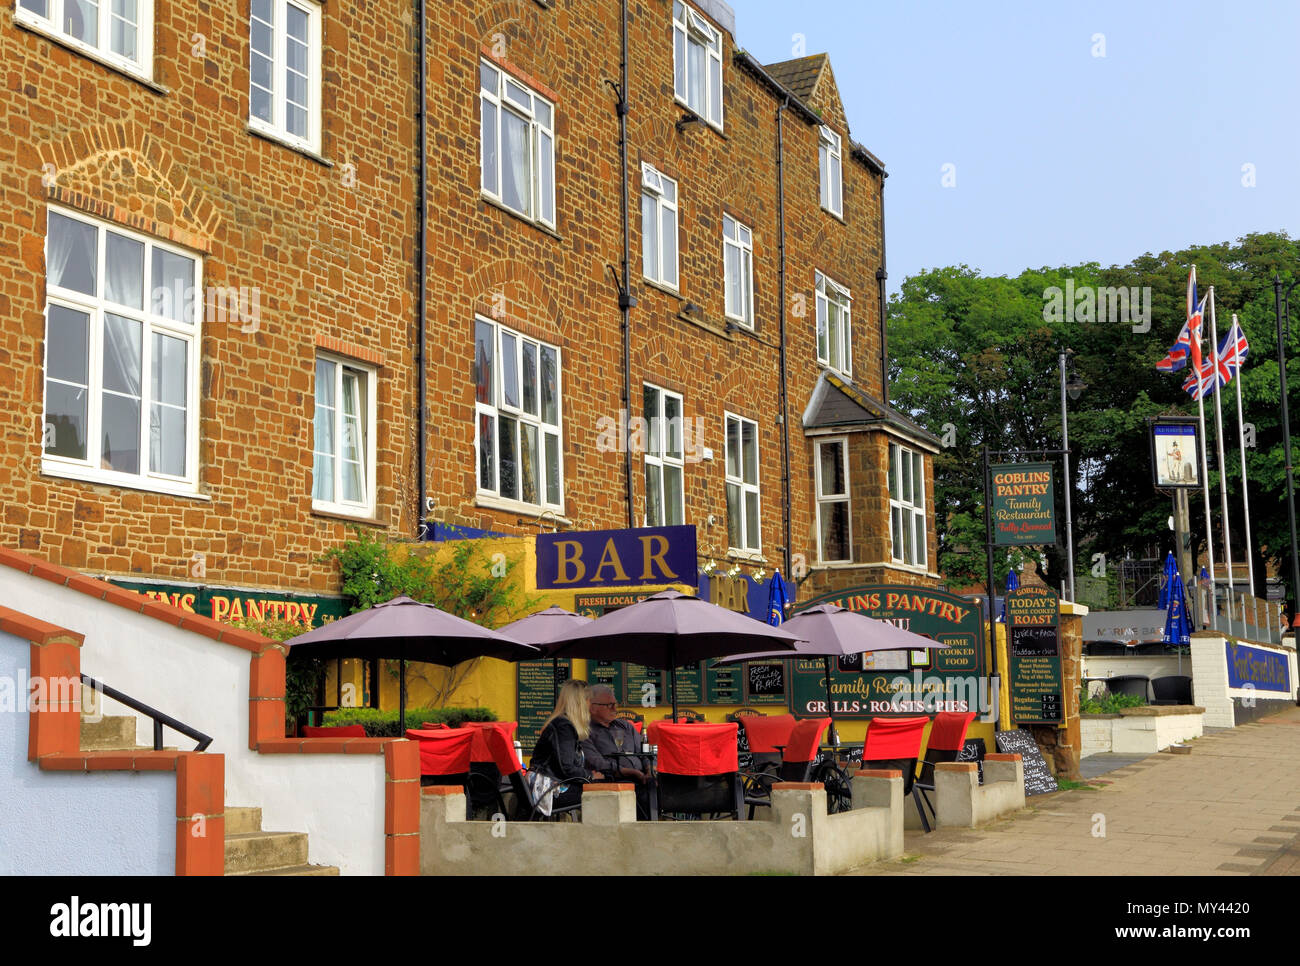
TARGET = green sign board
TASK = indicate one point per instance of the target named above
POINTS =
(234, 603)
(899, 683)
(1037, 688)
(1023, 503)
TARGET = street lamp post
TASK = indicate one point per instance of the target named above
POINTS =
(1281, 308)
(1074, 386)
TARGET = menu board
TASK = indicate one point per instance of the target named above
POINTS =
(1037, 689)
(535, 685)
(725, 684)
(644, 687)
(765, 682)
(1038, 779)
(606, 672)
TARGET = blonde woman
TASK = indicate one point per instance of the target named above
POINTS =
(559, 749)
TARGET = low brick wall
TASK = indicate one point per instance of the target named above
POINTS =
(960, 801)
(795, 836)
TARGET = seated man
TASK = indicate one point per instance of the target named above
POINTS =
(612, 747)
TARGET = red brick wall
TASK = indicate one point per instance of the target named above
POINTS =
(335, 264)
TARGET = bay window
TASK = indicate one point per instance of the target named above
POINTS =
(834, 544)
(907, 506)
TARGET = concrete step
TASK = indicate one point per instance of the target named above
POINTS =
(109, 733)
(242, 820)
(294, 870)
(263, 851)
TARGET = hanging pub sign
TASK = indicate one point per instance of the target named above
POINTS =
(1037, 689)
(899, 683)
(1174, 453)
(1023, 503)
(616, 558)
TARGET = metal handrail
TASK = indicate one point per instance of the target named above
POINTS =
(159, 719)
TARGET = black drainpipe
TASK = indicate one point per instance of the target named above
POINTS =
(421, 266)
(625, 300)
(881, 276)
(785, 399)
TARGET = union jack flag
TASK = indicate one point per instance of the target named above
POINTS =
(1234, 348)
(1189, 337)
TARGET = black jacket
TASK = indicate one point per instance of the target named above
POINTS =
(558, 752)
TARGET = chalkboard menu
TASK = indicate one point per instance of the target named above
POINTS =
(1038, 780)
(972, 749)
(535, 684)
(764, 680)
(1037, 689)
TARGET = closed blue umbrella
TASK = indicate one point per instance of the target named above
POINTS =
(1177, 630)
(1013, 583)
(1166, 581)
(777, 600)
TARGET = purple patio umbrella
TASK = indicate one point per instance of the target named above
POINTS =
(668, 630)
(403, 629)
(547, 629)
(832, 631)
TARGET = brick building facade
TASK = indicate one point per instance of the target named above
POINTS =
(262, 156)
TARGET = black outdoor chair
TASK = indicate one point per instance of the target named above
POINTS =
(947, 739)
(798, 761)
(1172, 689)
(1107, 649)
(699, 774)
(1138, 684)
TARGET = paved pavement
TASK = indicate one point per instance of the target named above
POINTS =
(1231, 807)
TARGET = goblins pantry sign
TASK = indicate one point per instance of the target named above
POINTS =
(890, 683)
(1023, 503)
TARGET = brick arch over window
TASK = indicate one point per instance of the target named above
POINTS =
(514, 294)
(657, 357)
(122, 173)
(524, 34)
(658, 140)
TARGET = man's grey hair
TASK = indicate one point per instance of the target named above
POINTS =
(601, 692)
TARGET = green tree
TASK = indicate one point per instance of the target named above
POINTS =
(977, 356)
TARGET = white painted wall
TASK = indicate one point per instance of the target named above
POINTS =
(75, 823)
(337, 799)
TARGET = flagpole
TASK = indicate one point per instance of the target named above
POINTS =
(1245, 490)
(1212, 609)
(1223, 466)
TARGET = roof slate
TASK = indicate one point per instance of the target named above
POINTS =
(798, 76)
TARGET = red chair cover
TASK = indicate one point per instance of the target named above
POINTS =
(695, 749)
(479, 751)
(502, 749)
(444, 751)
(804, 740)
(638, 725)
(948, 733)
(765, 733)
(340, 731)
(889, 738)
(433, 726)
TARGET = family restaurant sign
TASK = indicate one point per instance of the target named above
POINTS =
(616, 558)
(888, 683)
(1023, 503)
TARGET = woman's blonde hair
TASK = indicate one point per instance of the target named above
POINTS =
(573, 704)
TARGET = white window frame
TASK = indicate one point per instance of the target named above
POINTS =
(830, 166)
(737, 237)
(51, 24)
(907, 507)
(367, 395)
(831, 293)
(736, 479)
(689, 28)
(825, 500)
(654, 192)
(659, 459)
(539, 113)
(96, 307)
(496, 408)
(277, 126)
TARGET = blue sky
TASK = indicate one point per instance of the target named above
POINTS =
(1060, 156)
